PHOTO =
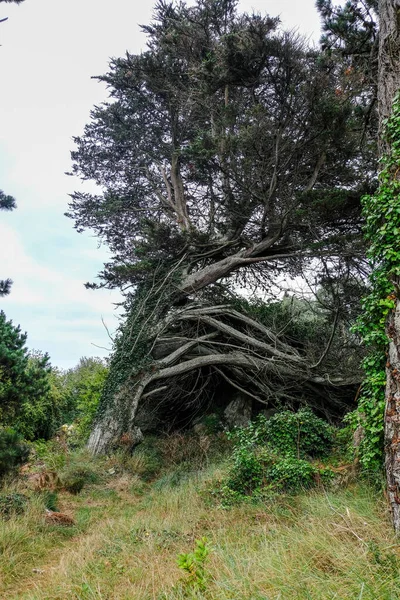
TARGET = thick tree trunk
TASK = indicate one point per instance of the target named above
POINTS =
(388, 86)
(389, 57)
(392, 416)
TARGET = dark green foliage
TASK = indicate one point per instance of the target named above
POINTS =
(272, 454)
(13, 450)
(212, 111)
(50, 500)
(291, 474)
(301, 434)
(39, 414)
(37, 399)
(12, 504)
(23, 383)
(6, 203)
(5, 286)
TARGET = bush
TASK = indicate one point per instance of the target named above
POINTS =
(292, 474)
(13, 450)
(13, 503)
(301, 434)
(272, 455)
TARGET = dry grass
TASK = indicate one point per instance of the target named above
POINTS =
(127, 538)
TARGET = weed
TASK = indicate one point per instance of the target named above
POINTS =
(193, 563)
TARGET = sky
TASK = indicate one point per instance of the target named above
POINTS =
(49, 51)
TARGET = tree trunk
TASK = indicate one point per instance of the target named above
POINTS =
(388, 86)
(392, 416)
(389, 58)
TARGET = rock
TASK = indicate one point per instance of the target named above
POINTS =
(238, 412)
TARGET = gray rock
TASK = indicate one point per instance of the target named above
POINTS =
(238, 411)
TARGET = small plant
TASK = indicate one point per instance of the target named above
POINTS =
(50, 500)
(193, 563)
(74, 479)
(11, 504)
(13, 450)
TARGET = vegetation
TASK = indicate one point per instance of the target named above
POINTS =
(13, 450)
(235, 159)
(315, 544)
(6, 203)
(230, 155)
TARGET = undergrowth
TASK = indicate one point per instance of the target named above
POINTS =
(145, 528)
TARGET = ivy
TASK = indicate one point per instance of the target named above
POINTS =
(382, 228)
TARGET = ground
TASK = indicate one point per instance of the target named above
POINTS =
(129, 531)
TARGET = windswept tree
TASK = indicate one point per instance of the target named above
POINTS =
(229, 154)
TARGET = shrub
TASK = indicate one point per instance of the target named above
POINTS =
(272, 454)
(301, 434)
(291, 474)
(13, 450)
(76, 477)
(12, 503)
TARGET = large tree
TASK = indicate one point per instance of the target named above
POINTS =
(389, 90)
(229, 154)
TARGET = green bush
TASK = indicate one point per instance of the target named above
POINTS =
(13, 450)
(291, 474)
(301, 434)
(272, 454)
(12, 503)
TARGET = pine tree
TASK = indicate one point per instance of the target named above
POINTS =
(22, 379)
(6, 203)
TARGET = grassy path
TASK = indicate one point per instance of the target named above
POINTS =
(127, 538)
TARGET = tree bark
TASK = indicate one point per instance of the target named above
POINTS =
(388, 86)
(392, 416)
(389, 59)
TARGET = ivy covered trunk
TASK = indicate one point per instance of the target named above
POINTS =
(392, 415)
(388, 87)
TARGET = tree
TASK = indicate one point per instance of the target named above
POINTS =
(23, 379)
(378, 410)
(389, 112)
(84, 385)
(6, 203)
(230, 153)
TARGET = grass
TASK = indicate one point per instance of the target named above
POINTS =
(129, 532)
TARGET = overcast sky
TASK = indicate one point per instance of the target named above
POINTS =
(49, 51)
